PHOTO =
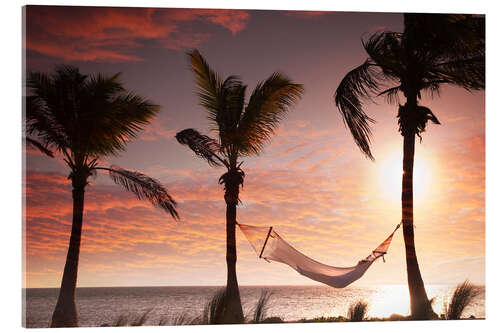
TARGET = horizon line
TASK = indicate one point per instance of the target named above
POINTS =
(249, 285)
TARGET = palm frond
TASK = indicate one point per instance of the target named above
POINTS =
(468, 73)
(229, 115)
(41, 118)
(89, 116)
(41, 147)
(202, 145)
(431, 116)
(111, 118)
(433, 87)
(269, 102)
(446, 35)
(209, 84)
(104, 87)
(386, 50)
(144, 187)
(359, 84)
(223, 99)
(449, 47)
(391, 95)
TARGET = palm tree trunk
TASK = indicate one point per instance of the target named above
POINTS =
(65, 313)
(419, 303)
(234, 314)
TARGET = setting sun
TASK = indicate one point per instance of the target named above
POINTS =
(390, 176)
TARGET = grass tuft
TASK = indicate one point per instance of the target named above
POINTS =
(462, 297)
(357, 311)
(182, 320)
(260, 310)
(215, 309)
(131, 320)
(120, 321)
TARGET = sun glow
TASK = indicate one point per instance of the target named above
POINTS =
(391, 299)
(391, 172)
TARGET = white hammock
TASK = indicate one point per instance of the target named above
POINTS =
(270, 246)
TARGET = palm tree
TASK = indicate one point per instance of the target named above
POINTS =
(85, 118)
(242, 131)
(433, 50)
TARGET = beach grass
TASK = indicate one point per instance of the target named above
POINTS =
(216, 306)
(131, 319)
(462, 297)
(357, 311)
(260, 310)
(215, 309)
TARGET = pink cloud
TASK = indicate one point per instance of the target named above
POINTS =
(306, 14)
(155, 130)
(315, 167)
(378, 28)
(233, 20)
(293, 149)
(476, 144)
(454, 119)
(115, 34)
(126, 241)
(307, 157)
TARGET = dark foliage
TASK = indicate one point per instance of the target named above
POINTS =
(144, 188)
(462, 297)
(357, 311)
(432, 51)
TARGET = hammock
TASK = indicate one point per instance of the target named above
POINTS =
(270, 246)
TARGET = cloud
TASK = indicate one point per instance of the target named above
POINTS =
(379, 28)
(157, 131)
(116, 225)
(455, 119)
(315, 167)
(324, 206)
(116, 34)
(306, 14)
(293, 148)
(306, 157)
(233, 20)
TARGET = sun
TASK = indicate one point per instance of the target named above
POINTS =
(391, 172)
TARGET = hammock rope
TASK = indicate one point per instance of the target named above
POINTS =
(269, 245)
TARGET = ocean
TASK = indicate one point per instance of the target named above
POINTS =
(98, 306)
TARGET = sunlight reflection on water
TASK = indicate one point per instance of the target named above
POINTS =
(390, 299)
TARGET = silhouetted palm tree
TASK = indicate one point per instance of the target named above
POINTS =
(85, 118)
(242, 131)
(433, 50)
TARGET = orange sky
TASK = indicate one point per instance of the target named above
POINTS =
(312, 184)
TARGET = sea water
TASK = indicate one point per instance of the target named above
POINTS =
(104, 305)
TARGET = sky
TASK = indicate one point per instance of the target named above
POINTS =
(311, 183)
